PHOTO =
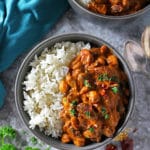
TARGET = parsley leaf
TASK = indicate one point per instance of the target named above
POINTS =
(91, 129)
(73, 112)
(104, 113)
(88, 114)
(106, 116)
(103, 77)
(74, 102)
(87, 83)
(8, 147)
(115, 89)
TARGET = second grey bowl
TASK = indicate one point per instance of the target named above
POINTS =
(25, 68)
(84, 12)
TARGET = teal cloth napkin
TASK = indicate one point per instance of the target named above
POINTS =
(22, 24)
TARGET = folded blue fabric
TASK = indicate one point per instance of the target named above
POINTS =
(22, 24)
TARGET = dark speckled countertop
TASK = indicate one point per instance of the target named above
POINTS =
(116, 33)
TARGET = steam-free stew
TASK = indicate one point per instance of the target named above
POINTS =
(96, 94)
(116, 7)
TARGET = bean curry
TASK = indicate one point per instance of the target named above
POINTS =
(95, 98)
(116, 7)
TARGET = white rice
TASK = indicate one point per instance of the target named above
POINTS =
(42, 99)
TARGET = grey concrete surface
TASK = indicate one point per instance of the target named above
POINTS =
(116, 33)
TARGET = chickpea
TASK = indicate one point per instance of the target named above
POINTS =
(75, 73)
(74, 123)
(88, 134)
(77, 65)
(101, 61)
(102, 9)
(65, 138)
(63, 86)
(112, 60)
(65, 102)
(86, 57)
(114, 118)
(79, 141)
(84, 90)
(66, 125)
(93, 97)
(70, 81)
(104, 49)
(80, 79)
(108, 131)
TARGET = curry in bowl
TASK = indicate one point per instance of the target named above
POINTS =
(74, 91)
(115, 7)
(95, 98)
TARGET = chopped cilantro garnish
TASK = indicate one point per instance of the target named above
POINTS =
(103, 110)
(73, 112)
(115, 89)
(114, 79)
(106, 116)
(87, 83)
(104, 113)
(87, 113)
(91, 129)
(74, 102)
(103, 77)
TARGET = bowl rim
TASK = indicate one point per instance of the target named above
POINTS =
(77, 4)
(59, 38)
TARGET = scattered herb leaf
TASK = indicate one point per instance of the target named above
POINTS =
(91, 129)
(73, 112)
(104, 113)
(106, 116)
(114, 79)
(87, 83)
(103, 77)
(115, 89)
(103, 110)
(74, 102)
(88, 114)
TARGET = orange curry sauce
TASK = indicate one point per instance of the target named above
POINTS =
(96, 94)
(116, 7)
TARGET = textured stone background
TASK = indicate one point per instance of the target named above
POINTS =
(116, 34)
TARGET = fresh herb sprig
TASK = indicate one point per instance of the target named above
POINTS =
(8, 140)
(73, 112)
(7, 132)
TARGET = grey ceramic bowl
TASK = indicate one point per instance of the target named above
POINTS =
(81, 10)
(24, 69)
